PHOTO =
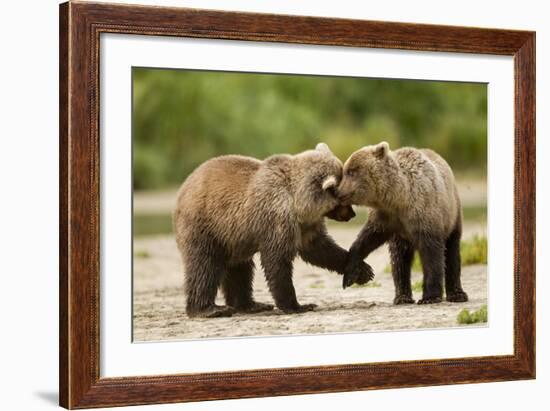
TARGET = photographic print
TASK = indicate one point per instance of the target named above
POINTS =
(280, 204)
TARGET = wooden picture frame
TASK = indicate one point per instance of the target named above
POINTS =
(80, 27)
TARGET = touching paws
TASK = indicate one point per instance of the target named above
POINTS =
(357, 272)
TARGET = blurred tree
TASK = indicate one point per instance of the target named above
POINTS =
(182, 118)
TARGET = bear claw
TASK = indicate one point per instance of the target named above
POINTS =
(403, 299)
(457, 297)
(430, 300)
(255, 307)
(214, 311)
(299, 309)
(357, 272)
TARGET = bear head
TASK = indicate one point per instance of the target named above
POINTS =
(369, 176)
(316, 176)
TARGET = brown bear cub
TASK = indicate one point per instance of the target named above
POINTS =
(232, 206)
(414, 205)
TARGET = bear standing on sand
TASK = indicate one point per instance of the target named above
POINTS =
(414, 205)
(232, 206)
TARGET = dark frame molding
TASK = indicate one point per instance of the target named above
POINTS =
(80, 27)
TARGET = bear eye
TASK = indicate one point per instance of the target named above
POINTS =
(350, 173)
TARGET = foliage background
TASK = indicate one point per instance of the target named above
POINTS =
(182, 118)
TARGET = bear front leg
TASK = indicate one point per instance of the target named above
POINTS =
(372, 235)
(237, 289)
(278, 273)
(322, 251)
(402, 253)
(432, 255)
(319, 249)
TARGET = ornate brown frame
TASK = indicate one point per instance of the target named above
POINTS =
(81, 24)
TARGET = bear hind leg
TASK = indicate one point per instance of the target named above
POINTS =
(237, 289)
(202, 279)
(402, 253)
(453, 285)
(432, 256)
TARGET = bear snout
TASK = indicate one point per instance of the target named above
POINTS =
(344, 198)
(341, 213)
(344, 192)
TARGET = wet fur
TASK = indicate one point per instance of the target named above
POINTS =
(414, 205)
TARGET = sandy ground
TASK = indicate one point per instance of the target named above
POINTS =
(159, 299)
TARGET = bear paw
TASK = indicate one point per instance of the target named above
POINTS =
(457, 297)
(213, 311)
(299, 309)
(357, 272)
(255, 307)
(430, 300)
(403, 299)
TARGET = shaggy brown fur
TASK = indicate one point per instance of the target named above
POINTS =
(415, 206)
(231, 207)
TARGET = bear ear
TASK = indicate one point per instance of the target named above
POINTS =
(323, 147)
(329, 182)
(381, 149)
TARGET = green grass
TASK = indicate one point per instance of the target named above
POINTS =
(467, 317)
(472, 251)
(417, 286)
(370, 284)
(151, 224)
(142, 254)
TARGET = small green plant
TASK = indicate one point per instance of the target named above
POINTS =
(416, 264)
(370, 284)
(142, 254)
(474, 251)
(467, 317)
(417, 286)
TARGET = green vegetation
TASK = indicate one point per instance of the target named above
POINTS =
(472, 251)
(182, 118)
(142, 254)
(417, 286)
(467, 317)
(151, 224)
